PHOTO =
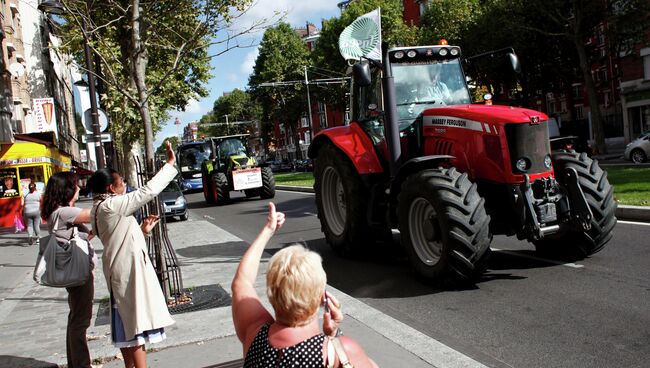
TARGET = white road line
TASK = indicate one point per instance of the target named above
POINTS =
(309, 214)
(209, 217)
(512, 253)
(633, 223)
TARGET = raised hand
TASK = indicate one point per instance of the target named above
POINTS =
(171, 156)
(275, 219)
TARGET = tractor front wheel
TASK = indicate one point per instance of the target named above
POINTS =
(220, 188)
(268, 184)
(443, 225)
(599, 193)
(341, 199)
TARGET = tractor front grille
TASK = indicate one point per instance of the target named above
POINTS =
(529, 141)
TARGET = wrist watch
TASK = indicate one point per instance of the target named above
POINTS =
(338, 332)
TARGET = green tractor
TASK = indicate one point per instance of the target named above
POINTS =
(231, 168)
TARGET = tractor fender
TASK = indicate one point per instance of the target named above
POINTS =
(354, 143)
(409, 167)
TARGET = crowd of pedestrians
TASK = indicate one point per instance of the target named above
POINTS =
(296, 281)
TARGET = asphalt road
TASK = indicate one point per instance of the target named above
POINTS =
(524, 312)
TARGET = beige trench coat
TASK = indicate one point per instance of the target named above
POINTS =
(126, 263)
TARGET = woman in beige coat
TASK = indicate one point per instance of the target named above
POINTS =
(139, 311)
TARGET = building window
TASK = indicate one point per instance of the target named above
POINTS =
(424, 5)
(563, 105)
(577, 90)
(579, 112)
(646, 67)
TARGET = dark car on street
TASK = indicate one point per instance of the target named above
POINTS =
(174, 202)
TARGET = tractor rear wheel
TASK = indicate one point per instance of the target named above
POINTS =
(443, 225)
(208, 190)
(599, 194)
(268, 184)
(341, 199)
(220, 188)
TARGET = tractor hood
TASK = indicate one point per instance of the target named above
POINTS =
(492, 114)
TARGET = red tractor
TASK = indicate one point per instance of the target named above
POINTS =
(420, 157)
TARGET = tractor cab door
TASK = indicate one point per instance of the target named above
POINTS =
(367, 111)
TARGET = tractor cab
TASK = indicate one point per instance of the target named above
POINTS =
(230, 152)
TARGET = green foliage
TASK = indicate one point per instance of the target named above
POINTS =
(162, 149)
(283, 56)
(174, 36)
(449, 19)
(238, 106)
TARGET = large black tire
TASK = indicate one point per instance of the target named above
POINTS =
(220, 185)
(599, 194)
(342, 200)
(208, 188)
(443, 225)
(268, 184)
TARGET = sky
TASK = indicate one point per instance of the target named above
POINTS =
(231, 70)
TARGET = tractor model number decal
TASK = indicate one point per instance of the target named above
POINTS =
(247, 178)
(451, 122)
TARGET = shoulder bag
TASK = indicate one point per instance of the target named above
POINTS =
(62, 264)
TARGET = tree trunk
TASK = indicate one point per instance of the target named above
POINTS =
(128, 163)
(596, 119)
(139, 68)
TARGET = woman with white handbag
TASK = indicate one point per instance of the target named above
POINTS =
(58, 209)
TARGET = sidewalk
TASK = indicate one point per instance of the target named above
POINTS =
(33, 318)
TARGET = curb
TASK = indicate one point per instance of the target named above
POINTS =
(628, 213)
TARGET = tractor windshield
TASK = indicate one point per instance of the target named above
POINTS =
(230, 147)
(419, 86)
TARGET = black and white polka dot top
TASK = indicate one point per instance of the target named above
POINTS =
(306, 354)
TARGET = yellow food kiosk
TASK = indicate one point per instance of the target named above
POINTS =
(22, 163)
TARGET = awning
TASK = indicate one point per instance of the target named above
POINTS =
(81, 171)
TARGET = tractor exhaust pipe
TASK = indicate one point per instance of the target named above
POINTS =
(391, 127)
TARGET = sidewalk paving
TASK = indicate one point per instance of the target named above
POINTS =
(33, 318)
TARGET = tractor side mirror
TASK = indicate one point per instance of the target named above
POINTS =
(514, 62)
(361, 73)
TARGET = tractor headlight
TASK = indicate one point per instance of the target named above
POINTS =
(523, 164)
(547, 161)
(399, 54)
(411, 53)
(443, 52)
(180, 201)
(453, 52)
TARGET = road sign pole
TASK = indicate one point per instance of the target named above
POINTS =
(90, 71)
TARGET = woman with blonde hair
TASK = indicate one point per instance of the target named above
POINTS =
(295, 284)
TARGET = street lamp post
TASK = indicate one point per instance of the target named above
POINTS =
(55, 7)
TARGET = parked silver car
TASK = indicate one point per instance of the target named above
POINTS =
(638, 150)
(174, 202)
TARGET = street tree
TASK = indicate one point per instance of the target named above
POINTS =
(282, 58)
(576, 21)
(153, 55)
(162, 149)
(229, 112)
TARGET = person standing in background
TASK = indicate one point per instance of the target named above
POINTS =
(31, 204)
(62, 217)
